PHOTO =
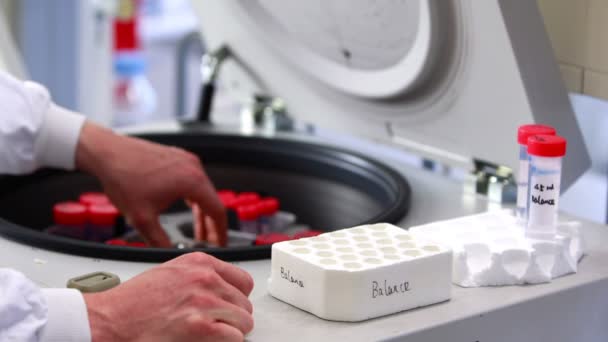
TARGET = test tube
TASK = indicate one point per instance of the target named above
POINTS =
(523, 133)
(248, 218)
(102, 219)
(90, 198)
(268, 208)
(247, 198)
(70, 220)
(546, 154)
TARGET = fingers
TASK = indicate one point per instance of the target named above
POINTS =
(227, 333)
(232, 295)
(211, 231)
(200, 232)
(152, 231)
(233, 316)
(218, 325)
(230, 273)
(205, 196)
(235, 276)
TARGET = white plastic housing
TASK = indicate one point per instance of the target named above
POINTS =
(439, 77)
(360, 273)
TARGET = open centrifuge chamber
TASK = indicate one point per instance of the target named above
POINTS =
(327, 188)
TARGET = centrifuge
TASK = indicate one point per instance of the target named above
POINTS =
(401, 94)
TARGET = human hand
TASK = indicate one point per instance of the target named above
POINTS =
(142, 179)
(194, 297)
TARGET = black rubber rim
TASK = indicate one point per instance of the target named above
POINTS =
(323, 158)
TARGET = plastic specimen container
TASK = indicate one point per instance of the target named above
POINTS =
(70, 220)
(248, 218)
(523, 133)
(102, 220)
(90, 198)
(546, 154)
(268, 208)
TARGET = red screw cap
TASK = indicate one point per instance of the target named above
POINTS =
(90, 198)
(226, 196)
(268, 206)
(526, 131)
(270, 238)
(225, 192)
(70, 213)
(547, 146)
(103, 214)
(116, 242)
(247, 212)
(243, 199)
(246, 198)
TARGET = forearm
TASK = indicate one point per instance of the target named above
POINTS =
(94, 150)
(99, 319)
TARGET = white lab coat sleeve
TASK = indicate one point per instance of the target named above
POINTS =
(34, 132)
(67, 319)
(28, 314)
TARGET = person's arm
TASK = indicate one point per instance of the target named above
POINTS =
(143, 178)
(34, 132)
(140, 177)
(29, 314)
(194, 297)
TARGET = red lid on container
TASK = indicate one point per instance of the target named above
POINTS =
(526, 131)
(248, 197)
(90, 198)
(270, 238)
(226, 197)
(116, 242)
(103, 214)
(306, 234)
(547, 146)
(247, 212)
(70, 213)
(268, 206)
(245, 198)
(228, 193)
(230, 203)
(137, 244)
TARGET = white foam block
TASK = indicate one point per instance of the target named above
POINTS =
(360, 273)
(491, 249)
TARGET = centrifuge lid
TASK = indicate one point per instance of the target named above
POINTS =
(450, 79)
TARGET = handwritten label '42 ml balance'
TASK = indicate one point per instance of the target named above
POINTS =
(539, 199)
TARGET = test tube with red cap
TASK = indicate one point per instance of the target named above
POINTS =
(248, 218)
(546, 154)
(523, 133)
(268, 208)
(90, 198)
(247, 198)
(102, 220)
(70, 220)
